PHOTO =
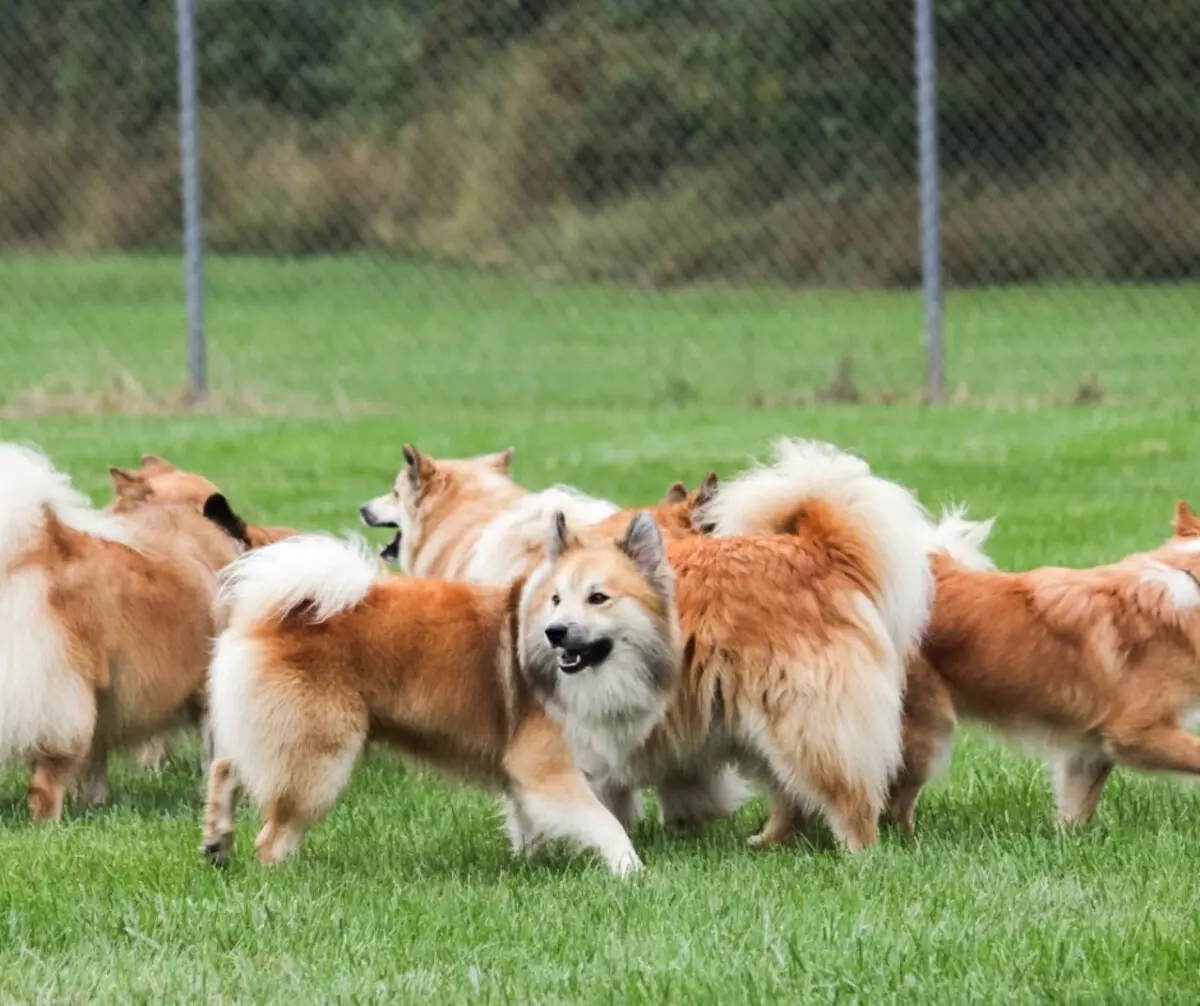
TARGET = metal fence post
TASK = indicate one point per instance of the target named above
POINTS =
(931, 224)
(189, 156)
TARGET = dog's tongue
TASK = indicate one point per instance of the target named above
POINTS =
(391, 551)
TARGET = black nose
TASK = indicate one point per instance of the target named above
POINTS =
(556, 633)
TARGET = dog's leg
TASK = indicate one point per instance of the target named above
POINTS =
(1079, 779)
(624, 801)
(152, 756)
(93, 781)
(284, 826)
(688, 800)
(51, 777)
(220, 809)
(927, 735)
(788, 821)
(1163, 747)
(557, 800)
(519, 828)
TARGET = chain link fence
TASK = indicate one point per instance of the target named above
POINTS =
(619, 202)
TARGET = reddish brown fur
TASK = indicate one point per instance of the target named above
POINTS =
(774, 630)
(137, 625)
(1097, 664)
(427, 666)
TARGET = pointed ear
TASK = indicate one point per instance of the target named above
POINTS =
(707, 490)
(1187, 524)
(561, 538)
(218, 510)
(676, 494)
(643, 543)
(128, 486)
(499, 461)
(158, 464)
(418, 466)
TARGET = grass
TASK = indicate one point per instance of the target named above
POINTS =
(408, 892)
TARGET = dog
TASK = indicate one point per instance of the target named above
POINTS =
(105, 624)
(466, 519)
(797, 616)
(1092, 668)
(324, 653)
(157, 482)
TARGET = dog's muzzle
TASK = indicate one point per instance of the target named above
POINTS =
(391, 551)
(576, 652)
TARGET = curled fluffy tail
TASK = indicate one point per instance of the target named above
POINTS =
(814, 488)
(31, 488)
(326, 573)
(963, 539)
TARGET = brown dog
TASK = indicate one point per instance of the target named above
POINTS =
(797, 615)
(323, 654)
(105, 624)
(1093, 667)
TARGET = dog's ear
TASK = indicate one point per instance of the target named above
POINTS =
(417, 466)
(218, 510)
(643, 543)
(707, 490)
(500, 461)
(676, 494)
(1187, 524)
(159, 466)
(129, 487)
(561, 538)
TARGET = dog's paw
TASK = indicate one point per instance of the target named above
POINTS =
(218, 852)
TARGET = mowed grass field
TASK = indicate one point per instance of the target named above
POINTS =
(408, 892)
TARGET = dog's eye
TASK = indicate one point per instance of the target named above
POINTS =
(596, 597)
(555, 599)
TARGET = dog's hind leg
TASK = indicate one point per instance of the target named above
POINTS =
(153, 755)
(624, 801)
(93, 780)
(1079, 778)
(688, 800)
(788, 821)
(556, 799)
(48, 786)
(927, 735)
(220, 809)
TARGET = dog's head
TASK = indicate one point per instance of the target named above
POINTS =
(598, 629)
(426, 491)
(156, 482)
(680, 514)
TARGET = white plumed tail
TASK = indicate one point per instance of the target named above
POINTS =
(963, 539)
(884, 516)
(328, 573)
(29, 487)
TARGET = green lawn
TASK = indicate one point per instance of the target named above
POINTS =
(408, 892)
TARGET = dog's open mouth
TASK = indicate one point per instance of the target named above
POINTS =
(573, 659)
(391, 551)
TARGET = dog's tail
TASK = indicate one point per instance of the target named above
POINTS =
(962, 540)
(33, 491)
(326, 574)
(873, 528)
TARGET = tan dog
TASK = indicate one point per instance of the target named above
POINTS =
(157, 482)
(467, 519)
(323, 654)
(105, 624)
(797, 619)
(1093, 667)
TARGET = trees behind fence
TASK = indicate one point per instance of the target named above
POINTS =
(658, 141)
